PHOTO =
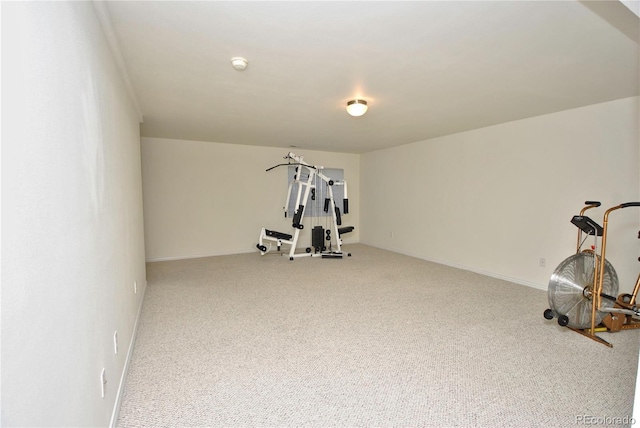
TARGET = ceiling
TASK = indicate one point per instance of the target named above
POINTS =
(427, 69)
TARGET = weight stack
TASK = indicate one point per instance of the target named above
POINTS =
(317, 238)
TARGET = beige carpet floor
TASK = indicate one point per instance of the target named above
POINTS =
(378, 339)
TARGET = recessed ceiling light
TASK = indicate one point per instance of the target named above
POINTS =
(239, 63)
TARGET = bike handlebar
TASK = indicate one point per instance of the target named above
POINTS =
(630, 204)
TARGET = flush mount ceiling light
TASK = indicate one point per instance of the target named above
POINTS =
(239, 63)
(357, 107)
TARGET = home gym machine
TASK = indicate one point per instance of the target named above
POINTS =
(583, 287)
(305, 184)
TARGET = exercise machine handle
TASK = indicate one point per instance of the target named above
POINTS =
(280, 164)
(589, 205)
(600, 279)
(630, 204)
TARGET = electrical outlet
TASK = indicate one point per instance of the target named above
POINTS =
(135, 287)
(115, 342)
(542, 262)
(103, 381)
(390, 234)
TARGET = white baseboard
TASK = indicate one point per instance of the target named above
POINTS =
(125, 369)
(395, 250)
(467, 268)
(198, 256)
(225, 253)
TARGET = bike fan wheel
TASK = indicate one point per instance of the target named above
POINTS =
(570, 287)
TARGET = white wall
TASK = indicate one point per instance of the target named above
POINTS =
(636, 401)
(495, 200)
(72, 217)
(204, 198)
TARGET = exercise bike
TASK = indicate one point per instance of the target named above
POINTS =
(583, 287)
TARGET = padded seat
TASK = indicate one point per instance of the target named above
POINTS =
(278, 235)
(346, 229)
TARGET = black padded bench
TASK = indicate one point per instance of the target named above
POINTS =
(278, 235)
